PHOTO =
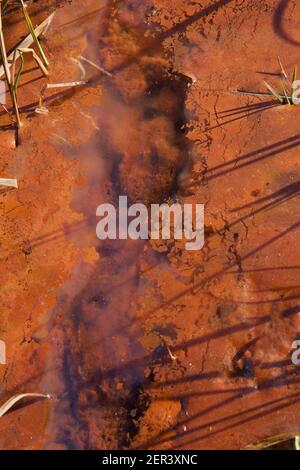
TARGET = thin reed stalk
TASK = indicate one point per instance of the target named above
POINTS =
(7, 72)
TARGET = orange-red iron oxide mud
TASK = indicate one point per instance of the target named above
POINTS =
(142, 344)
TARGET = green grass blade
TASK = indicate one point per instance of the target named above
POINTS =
(285, 93)
(34, 37)
(273, 92)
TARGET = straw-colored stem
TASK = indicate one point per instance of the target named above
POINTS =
(15, 79)
(3, 50)
(16, 107)
(4, 3)
(16, 398)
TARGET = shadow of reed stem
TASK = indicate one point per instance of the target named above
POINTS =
(7, 72)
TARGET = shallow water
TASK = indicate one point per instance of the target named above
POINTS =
(142, 343)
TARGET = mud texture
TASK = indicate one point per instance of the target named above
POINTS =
(143, 344)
